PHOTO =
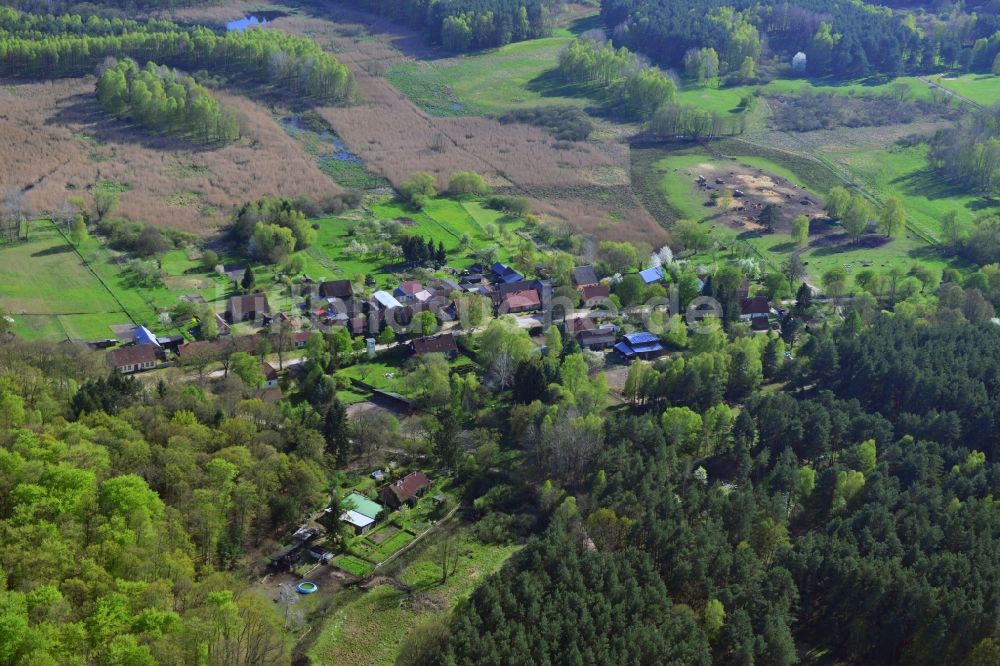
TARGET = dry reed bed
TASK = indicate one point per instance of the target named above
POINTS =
(396, 138)
(55, 141)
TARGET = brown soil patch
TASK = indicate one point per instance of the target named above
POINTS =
(56, 142)
(758, 188)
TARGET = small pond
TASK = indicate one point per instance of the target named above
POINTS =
(330, 148)
(254, 19)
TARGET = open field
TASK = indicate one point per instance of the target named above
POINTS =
(366, 627)
(56, 142)
(55, 292)
(669, 180)
(52, 293)
(727, 99)
(871, 158)
(980, 88)
(905, 173)
(493, 81)
(444, 220)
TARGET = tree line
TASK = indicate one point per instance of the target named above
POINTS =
(635, 90)
(840, 37)
(969, 152)
(465, 25)
(159, 99)
(296, 65)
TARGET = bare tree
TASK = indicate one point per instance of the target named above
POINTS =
(14, 214)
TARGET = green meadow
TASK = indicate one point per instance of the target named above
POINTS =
(904, 172)
(444, 220)
(367, 627)
(51, 292)
(517, 75)
(666, 179)
(980, 88)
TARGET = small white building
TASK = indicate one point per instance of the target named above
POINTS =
(799, 62)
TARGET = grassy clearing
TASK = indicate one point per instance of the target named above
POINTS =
(443, 219)
(364, 628)
(513, 76)
(671, 192)
(51, 292)
(58, 293)
(727, 100)
(980, 88)
(905, 173)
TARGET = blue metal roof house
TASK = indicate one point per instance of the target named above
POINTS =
(652, 275)
(639, 345)
(143, 336)
(506, 273)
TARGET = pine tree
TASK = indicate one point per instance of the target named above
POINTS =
(336, 431)
(248, 280)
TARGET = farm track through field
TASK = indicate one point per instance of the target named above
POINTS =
(95, 274)
(948, 91)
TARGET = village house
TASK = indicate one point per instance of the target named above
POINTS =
(300, 339)
(406, 490)
(520, 301)
(584, 276)
(270, 376)
(132, 358)
(755, 308)
(594, 295)
(643, 345)
(360, 512)
(438, 344)
(247, 307)
(505, 274)
(408, 289)
(342, 289)
(652, 275)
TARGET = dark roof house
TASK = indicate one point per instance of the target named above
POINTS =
(755, 307)
(247, 307)
(405, 490)
(342, 289)
(639, 345)
(132, 358)
(584, 276)
(438, 344)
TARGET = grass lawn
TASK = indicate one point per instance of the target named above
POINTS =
(981, 88)
(512, 76)
(374, 373)
(727, 100)
(50, 291)
(905, 173)
(363, 628)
